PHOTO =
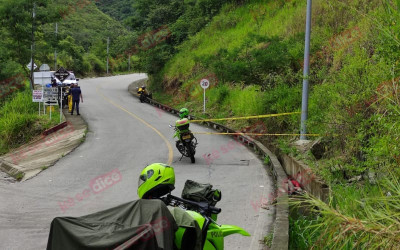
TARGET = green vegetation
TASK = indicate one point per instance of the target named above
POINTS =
(268, 239)
(20, 121)
(253, 52)
(81, 47)
(19, 176)
(117, 9)
(360, 217)
(81, 41)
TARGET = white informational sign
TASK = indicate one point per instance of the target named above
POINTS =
(37, 96)
(42, 78)
(44, 67)
(204, 83)
(29, 65)
(50, 96)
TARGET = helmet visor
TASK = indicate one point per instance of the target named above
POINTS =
(142, 179)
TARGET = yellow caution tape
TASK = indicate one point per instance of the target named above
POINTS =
(211, 133)
(245, 117)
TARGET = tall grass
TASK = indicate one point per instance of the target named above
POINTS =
(355, 218)
(20, 121)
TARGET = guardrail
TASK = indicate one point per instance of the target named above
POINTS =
(281, 228)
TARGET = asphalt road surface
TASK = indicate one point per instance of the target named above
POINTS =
(125, 136)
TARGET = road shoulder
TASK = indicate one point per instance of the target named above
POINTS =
(30, 159)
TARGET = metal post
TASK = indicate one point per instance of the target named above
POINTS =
(108, 42)
(306, 72)
(55, 51)
(61, 97)
(44, 105)
(204, 99)
(33, 43)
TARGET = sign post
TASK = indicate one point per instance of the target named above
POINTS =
(37, 96)
(61, 102)
(204, 83)
(50, 96)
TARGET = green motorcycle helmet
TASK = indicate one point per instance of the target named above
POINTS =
(183, 113)
(156, 180)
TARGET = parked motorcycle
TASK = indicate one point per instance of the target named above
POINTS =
(158, 220)
(158, 180)
(143, 94)
(186, 143)
(213, 234)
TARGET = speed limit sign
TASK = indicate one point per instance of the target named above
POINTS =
(204, 83)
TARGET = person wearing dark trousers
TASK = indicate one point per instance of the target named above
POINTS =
(76, 94)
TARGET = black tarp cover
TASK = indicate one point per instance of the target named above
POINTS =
(141, 224)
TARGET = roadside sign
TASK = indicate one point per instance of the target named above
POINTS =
(49, 102)
(37, 96)
(44, 67)
(29, 65)
(50, 96)
(204, 83)
(42, 78)
(61, 74)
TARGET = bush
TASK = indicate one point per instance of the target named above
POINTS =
(19, 121)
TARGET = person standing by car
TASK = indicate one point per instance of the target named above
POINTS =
(76, 94)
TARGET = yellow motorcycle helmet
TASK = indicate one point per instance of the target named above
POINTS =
(156, 180)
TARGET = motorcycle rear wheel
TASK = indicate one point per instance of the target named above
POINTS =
(191, 153)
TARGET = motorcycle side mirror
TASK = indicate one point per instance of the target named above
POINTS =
(217, 196)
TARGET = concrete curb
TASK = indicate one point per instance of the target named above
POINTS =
(15, 169)
(281, 229)
(55, 128)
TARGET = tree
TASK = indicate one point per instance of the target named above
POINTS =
(18, 26)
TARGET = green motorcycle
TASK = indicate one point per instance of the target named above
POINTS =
(212, 233)
(158, 180)
(186, 142)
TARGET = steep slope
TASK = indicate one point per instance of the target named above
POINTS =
(256, 52)
(84, 22)
(81, 40)
(253, 55)
(117, 9)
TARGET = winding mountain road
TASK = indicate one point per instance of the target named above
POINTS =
(125, 136)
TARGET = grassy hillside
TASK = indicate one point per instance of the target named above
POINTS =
(82, 39)
(81, 46)
(19, 119)
(117, 9)
(254, 52)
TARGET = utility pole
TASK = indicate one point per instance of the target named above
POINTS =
(306, 73)
(33, 43)
(108, 44)
(55, 50)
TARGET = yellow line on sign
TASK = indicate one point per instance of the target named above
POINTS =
(246, 117)
(211, 133)
(170, 151)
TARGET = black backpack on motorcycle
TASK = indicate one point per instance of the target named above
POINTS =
(198, 192)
